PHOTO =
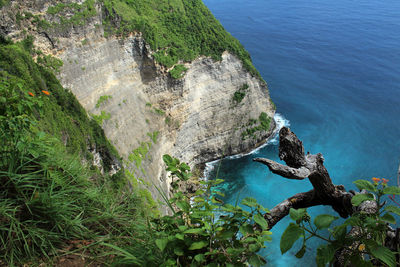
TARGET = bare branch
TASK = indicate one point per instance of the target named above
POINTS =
(301, 166)
(298, 201)
(284, 171)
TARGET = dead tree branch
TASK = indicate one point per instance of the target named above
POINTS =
(301, 166)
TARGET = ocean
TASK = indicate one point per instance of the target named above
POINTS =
(333, 71)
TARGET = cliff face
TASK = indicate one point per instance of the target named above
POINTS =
(145, 112)
(195, 116)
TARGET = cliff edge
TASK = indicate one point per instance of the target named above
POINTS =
(212, 108)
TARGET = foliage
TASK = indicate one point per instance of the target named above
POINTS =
(81, 13)
(176, 30)
(102, 99)
(51, 63)
(207, 231)
(3, 3)
(364, 245)
(153, 136)
(159, 111)
(104, 116)
(240, 94)
(62, 115)
(178, 71)
(264, 124)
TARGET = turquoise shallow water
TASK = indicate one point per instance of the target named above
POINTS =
(333, 70)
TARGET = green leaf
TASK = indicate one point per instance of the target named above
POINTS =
(199, 258)
(184, 167)
(393, 209)
(180, 236)
(391, 190)
(256, 260)
(249, 240)
(228, 207)
(249, 201)
(226, 234)
(198, 199)
(301, 252)
(183, 205)
(216, 200)
(197, 231)
(167, 159)
(289, 236)
(297, 214)
(254, 247)
(324, 221)
(178, 251)
(263, 209)
(259, 219)
(363, 184)
(382, 253)
(325, 255)
(339, 232)
(264, 238)
(162, 243)
(352, 221)
(219, 193)
(246, 229)
(172, 169)
(358, 199)
(387, 217)
(218, 181)
(357, 261)
(198, 245)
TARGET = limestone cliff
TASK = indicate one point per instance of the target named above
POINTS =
(143, 110)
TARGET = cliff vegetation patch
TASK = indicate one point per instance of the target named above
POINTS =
(264, 122)
(240, 94)
(176, 30)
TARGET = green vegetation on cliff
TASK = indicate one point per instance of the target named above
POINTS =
(178, 30)
(49, 196)
(62, 116)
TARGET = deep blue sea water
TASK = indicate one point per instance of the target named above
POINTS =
(333, 70)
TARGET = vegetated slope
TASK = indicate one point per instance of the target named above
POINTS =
(177, 30)
(50, 199)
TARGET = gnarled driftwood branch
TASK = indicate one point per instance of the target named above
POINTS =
(301, 166)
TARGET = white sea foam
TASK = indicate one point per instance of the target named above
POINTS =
(280, 121)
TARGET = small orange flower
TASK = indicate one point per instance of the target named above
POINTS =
(385, 181)
(46, 92)
(361, 247)
(31, 94)
(376, 180)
